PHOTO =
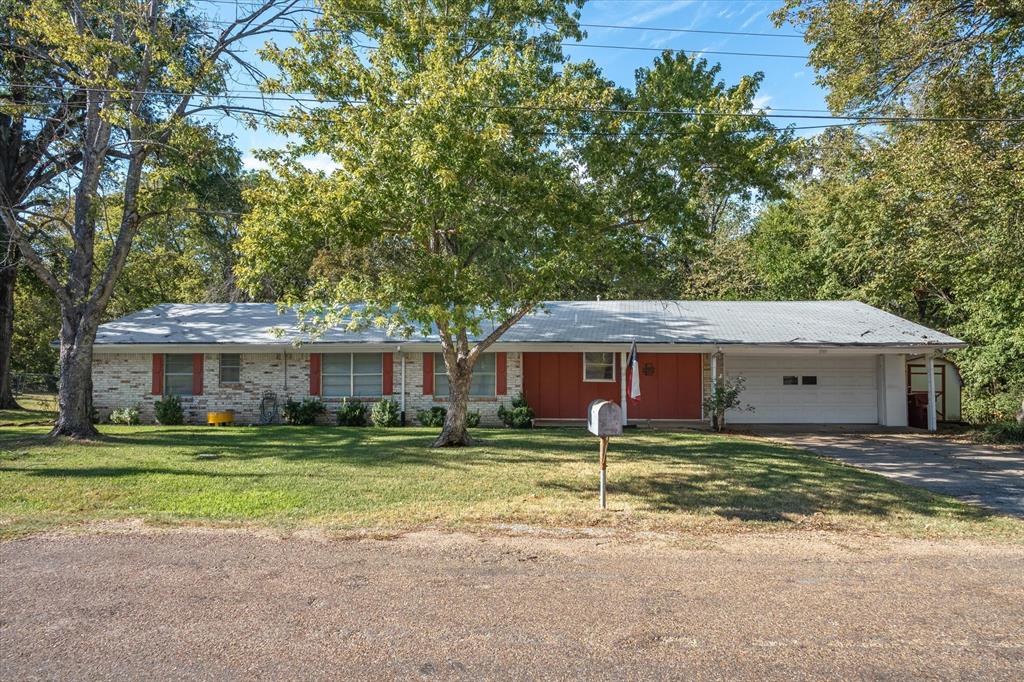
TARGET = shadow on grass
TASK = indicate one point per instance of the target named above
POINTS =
(681, 472)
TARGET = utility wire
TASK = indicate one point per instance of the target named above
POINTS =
(865, 118)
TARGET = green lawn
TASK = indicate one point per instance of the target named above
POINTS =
(38, 409)
(346, 479)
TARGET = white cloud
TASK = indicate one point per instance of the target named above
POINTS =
(250, 162)
(762, 101)
(316, 162)
(649, 15)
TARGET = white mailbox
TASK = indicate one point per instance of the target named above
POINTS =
(604, 418)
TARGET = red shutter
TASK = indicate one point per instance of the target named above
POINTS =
(389, 374)
(501, 373)
(314, 374)
(428, 374)
(197, 374)
(158, 373)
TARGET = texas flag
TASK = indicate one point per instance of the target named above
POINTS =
(633, 374)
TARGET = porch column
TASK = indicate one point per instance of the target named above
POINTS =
(933, 424)
(622, 393)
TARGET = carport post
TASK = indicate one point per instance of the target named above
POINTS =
(933, 424)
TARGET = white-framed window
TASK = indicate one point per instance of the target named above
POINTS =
(351, 375)
(484, 383)
(177, 374)
(230, 368)
(599, 366)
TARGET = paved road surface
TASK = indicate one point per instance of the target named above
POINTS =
(987, 475)
(227, 605)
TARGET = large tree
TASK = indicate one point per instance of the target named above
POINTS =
(115, 84)
(470, 186)
(922, 216)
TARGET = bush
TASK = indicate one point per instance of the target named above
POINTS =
(726, 396)
(351, 414)
(386, 413)
(520, 416)
(302, 413)
(433, 417)
(168, 411)
(472, 419)
(1004, 432)
(129, 416)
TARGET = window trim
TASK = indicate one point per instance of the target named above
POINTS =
(220, 370)
(167, 373)
(615, 363)
(352, 374)
(439, 362)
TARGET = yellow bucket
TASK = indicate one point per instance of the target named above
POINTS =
(221, 418)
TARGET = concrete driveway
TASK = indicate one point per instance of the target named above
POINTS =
(991, 476)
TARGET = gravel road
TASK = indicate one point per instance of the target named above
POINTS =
(222, 605)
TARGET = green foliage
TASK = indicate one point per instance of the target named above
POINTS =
(472, 419)
(168, 411)
(458, 203)
(433, 417)
(304, 412)
(386, 413)
(128, 416)
(351, 413)
(520, 416)
(726, 396)
(1004, 432)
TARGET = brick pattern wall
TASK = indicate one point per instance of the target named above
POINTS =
(125, 380)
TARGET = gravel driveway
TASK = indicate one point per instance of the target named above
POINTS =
(991, 476)
(230, 605)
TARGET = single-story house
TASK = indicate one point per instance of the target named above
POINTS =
(804, 362)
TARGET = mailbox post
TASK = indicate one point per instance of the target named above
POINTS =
(604, 420)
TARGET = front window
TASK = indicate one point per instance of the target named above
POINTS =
(484, 381)
(599, 366)
(177, 374)
(230, 368)
(351, 375)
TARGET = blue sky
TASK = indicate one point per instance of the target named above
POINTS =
(788, 82)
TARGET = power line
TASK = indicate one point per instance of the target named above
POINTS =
(300, 99)
(758, 34)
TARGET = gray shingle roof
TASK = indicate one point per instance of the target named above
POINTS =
(812, 323)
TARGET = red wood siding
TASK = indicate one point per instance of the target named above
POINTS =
(388, 363)
(314, 374)
(428, 374)
(554, 386)
(673, 391)
(197, 374)
(501, 373)
(158, 373)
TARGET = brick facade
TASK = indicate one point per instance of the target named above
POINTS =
(123, 380)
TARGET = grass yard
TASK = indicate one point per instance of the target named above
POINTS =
(384, 480)
(38, 409)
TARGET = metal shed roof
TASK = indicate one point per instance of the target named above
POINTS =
(774, 323)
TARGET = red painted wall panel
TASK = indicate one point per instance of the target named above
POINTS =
(388, 374)
(314, 374)
(554, 386)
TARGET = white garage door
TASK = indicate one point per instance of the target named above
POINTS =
(822, 389)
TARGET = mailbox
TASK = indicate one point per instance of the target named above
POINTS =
(604, 418)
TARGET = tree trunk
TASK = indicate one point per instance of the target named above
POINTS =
(454, 433)
(8, 276)
(74, 396)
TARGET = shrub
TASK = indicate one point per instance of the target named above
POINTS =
(168, 411)
(726, 396)
(386, 413)
(302, 413)
(129, 416)
(1004, 432)
(520, 416)
(351, 414)
(433, 417)
(472, 419)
